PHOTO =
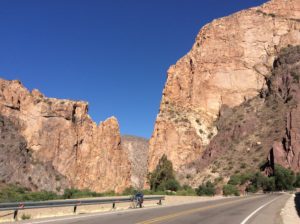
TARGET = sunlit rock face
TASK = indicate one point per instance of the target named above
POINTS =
(57, 145)
(227, 65)
(137, 150)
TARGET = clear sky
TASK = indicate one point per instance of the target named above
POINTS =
(112, 53)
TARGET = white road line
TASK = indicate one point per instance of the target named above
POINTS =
(253, 213)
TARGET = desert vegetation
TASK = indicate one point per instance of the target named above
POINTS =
(282, 180)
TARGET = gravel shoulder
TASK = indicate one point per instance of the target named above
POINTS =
(289, 213)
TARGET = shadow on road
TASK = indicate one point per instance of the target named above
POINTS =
(297, 203)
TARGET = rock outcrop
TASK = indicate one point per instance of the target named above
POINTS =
(227, 65)
(51, 144)
(137, 150)
(285, 83)
(260, 132)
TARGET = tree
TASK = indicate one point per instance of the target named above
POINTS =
(163, 178)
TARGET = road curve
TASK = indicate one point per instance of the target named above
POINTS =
(240, 210)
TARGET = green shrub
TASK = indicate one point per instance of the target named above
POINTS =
(251, 188)
(207, 189)
(25, 216)
(70, 193)
(186, 190)
(240, 179)
(129, 191)
(284, 178)
(235, 180)
(172, 185)
(297, 180)
(229, 189)
(14, 193)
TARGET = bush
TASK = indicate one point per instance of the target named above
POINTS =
(284, 178)
(229, 189)
(163, 177)
(207, 189)
(270, 184)
(13, 193)
(240, 179)
(186, 191)
(297, 180)
(25, 216)
(70, 193)
(251, 188)
(235, 180)
(172, 185)
(129, 191)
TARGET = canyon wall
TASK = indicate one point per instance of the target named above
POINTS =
(137, 150)
(227, 65)
(51, 144)
(260, 132)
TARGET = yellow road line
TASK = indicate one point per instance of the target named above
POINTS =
(187, 212)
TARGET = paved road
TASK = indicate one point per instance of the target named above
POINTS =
(241, 210)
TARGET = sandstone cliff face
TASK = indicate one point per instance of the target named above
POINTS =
(59, 133)
(137, 150)
(260, 132)
(227, 65)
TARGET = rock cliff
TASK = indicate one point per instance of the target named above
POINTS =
(52, 144)
(285, 84)
(260, 132)
(137, 150)
(227, 65)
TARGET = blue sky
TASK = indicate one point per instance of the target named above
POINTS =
(112, 53)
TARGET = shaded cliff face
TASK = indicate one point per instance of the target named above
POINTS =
(137, 150)
(60, 135)
(258, 133)
(227, 65)
(285, 84)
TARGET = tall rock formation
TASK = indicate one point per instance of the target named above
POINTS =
(260, 132)
(226, 66)
(285, 83)
(51, 144)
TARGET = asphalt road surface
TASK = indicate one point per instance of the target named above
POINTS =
(260, 209)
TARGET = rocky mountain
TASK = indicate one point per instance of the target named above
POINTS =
(229, 64)
(258, 133)
(137, 150)
(51, 144)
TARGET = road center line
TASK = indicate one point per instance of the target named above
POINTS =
(178, 214)
(254, 212)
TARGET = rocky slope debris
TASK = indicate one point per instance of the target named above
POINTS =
(50, 144)
(227, 66)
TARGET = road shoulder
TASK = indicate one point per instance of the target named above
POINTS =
(289, 213)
